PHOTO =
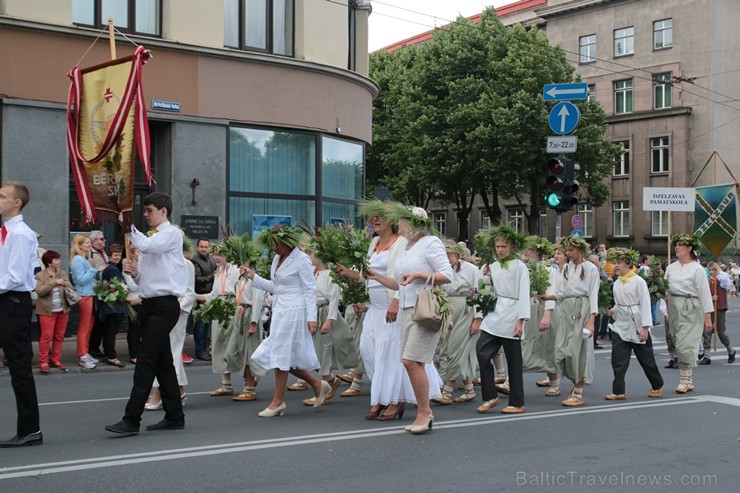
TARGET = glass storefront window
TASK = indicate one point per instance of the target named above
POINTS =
(265, 161)
(247, 214)
(337, 213)
(343, 166)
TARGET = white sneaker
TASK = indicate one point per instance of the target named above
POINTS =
(92, 360)
(86, 363)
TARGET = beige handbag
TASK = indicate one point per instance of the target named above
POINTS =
(426, 310)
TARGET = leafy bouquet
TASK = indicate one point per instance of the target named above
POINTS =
(539, 277)
(445, 309)
(657, 284)
(218, 309)
(348, 246)
(605, 297)
(113, 292)
(239, 250)
(483, 297)
(264, 265)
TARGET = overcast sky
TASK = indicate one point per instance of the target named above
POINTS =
(395, 20)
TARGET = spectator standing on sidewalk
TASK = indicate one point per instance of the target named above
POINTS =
(205, 267)
(112, 315)
(52, 310)
(719, 285)
(99, 259)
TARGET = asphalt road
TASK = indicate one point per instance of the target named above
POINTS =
(672, 443)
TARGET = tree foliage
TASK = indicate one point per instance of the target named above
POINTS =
(462, 115)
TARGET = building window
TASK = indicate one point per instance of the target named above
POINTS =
(624, 41)
(622, 167)
(591, 95)
(259, 25)
(516, 220)
(543, 222)
(660, 155)
(440, 222)
(659, 223)
(485, 221)
(621, 218)
(662, 90)
(587, 48)
(663, 34)
(132, 16)
(623, 96)
(587, 218)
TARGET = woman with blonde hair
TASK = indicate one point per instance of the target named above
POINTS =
(422, 262)
(83, 273)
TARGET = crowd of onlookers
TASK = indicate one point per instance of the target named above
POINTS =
(97, 323)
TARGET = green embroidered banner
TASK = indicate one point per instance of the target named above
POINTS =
(715, 216)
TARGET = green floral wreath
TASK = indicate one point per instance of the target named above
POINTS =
(287, 235)
(544, 248)
(681, 238)
(629, 257)
(574, 241)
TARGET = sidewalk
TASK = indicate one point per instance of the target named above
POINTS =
(69, 357)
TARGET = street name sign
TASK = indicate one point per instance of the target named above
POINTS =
(668, 199)
(564, 118)
(562, 144)
(565, 92)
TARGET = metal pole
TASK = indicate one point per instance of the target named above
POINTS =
(558, 225)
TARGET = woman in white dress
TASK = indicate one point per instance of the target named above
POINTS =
(538, 345)
(289, 347)
(177, 334)
(633, 317)
(689, 306)
(455, 348)
(224, 286)
(423, 260)
(577, 299)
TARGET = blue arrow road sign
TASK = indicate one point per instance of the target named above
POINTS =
(564, 118)
(565, 92)
(576, 232)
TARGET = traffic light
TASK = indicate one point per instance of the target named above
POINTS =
(555, 182)
(562, 185)
(571, 186)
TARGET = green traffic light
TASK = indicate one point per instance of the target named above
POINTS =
(552, 200)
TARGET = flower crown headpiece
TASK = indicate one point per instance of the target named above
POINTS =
(287, 235)
(629, 257)
(574, 241)
(542, 246)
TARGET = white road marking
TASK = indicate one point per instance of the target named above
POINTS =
(88, 401)
(228, 448)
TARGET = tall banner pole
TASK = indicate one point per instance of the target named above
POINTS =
(716, 284)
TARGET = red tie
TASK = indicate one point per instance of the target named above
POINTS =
(3, 233)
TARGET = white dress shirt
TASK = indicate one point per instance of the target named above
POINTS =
(162, 268)
(18, 257)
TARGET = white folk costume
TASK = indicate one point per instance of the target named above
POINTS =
(289, 344)
(689, 300)
(510, 280)
(577, 298)
(241, 345)
(631, 312)
(336, 349)
(456, 351)
(538, 346)
(224, 286)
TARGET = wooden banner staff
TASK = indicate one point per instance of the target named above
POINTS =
(112, 42)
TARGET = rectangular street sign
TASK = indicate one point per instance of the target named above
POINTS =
(668, 199)
(562, 144)
(565, 92)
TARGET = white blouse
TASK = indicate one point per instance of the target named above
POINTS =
(292, 284)
(511, 284)
(428, 254)
(327, 293)
(631, 308)
(690, 280)
(572, 285)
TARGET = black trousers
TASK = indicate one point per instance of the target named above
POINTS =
(487, 347)
(97, 334)
(157, 317)
(133, 336)
(113, 323)
(621, 353)
(15, 339)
